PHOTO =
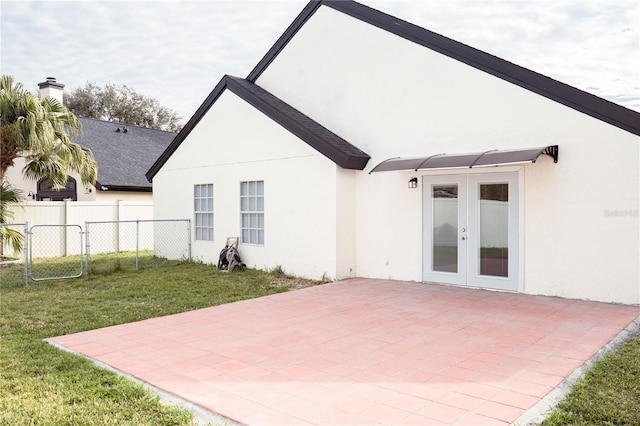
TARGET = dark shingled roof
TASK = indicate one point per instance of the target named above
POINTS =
(123, 158)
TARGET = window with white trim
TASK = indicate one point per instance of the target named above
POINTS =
(252, 212)
(203, 211)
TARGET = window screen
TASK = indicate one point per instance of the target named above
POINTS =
(203, 211)
(252, 212)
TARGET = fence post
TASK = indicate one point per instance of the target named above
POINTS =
(118, 203)
(87, 244)
(30, 247)
(24, 253)
(189, 238)
(137, 241)
(65, 222)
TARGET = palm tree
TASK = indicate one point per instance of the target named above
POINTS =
(39, 130)
(9, 195)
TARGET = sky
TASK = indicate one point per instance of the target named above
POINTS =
(177, 51)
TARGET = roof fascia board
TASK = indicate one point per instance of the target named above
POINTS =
(555, 90)
(124, 188)
(191, 124)
(341, 158)
(284, 39)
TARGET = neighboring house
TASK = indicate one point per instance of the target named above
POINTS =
(294, 159)
(123, 152)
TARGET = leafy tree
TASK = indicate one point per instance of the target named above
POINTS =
(40, 131)
(123, 104)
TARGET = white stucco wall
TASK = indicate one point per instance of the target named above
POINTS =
(346, 221)
(581, 217)
(235, 143)
(391, 97)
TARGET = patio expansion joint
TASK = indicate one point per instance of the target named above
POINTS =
(201, 415)
(541, 409)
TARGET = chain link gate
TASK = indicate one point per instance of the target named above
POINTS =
(61, 242)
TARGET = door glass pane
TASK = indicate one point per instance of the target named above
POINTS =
(494, 229)
(445, 228)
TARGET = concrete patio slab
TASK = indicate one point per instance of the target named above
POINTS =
(363, 352)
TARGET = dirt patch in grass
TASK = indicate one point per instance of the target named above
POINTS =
(293, 282)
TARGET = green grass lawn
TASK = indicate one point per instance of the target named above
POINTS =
(609, 394)
(41, 385)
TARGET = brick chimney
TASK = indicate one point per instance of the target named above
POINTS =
(51, 88)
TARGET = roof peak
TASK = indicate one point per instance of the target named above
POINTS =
(572, 97)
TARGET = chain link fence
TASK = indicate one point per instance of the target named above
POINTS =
(67, 251)
(151, 241)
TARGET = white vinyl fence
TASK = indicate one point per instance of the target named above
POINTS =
(77, 212)
(60, 241)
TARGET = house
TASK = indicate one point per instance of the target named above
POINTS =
(123, 152)
(363, 145)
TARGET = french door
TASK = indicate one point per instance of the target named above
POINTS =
(471, 230)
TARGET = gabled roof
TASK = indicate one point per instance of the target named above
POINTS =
(123, 157)
(323, 140)
(562, 93)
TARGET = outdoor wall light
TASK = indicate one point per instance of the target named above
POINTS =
(413, 182)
